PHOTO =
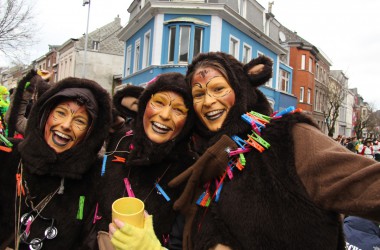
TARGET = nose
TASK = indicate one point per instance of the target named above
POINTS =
(208, 99)
(66, 124)
(166, 113)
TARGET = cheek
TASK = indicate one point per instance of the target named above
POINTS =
(229, 99)
(198, 108)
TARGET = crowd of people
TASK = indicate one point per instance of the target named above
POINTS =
(215, 166)
(368, 147)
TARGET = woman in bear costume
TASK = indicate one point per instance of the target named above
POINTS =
(48, 180)
(151, 156)
(291, 195)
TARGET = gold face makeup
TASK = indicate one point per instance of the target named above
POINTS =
(213, 97)
(66, 126)
(165, 116)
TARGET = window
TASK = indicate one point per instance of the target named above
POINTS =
(242, 6)
(136, 56)
(308, 96)
(284, 80)
(185, 41)
(301, 94)
(48, 64)
(95, 45)
(317, 71)
(234, 47)
(198, 37)
(303, 62)
(146, 51)
(184, 44)
(310, 65)
(128, 61)
(247, 53)
(172, 34)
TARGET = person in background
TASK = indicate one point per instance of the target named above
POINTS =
(367, 149)
(4, 104)
(352, 144)
(361, 233)
(28, 90)
(286, 175)
(376, 148)
(49, 179)
(155, 147)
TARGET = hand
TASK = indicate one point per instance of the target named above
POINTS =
(128, 237)
(211, 164)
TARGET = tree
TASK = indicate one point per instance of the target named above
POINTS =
(17, 28)
(336, 94)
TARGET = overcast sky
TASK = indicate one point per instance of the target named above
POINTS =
(346, 31)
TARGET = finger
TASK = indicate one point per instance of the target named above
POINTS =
(119, 223)
(182, 177)
(118, 244)
(185, 196)
(111, 229)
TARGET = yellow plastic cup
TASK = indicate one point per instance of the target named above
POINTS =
(129, 210)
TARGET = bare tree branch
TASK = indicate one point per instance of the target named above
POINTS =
(17, 28)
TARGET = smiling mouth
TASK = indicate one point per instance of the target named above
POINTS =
(215, 114)
(61, 139)
(160, 128)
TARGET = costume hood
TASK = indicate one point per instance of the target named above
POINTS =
(247, 96)
(36, 154)
(145, 151)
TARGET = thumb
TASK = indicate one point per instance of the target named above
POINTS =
(182, 177)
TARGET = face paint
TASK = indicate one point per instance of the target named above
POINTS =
(164, 117)
(213, 97)
(66, 126)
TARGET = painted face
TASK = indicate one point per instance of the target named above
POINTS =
(66, 126)
(213, 97)
(164, 117)
(130, 102)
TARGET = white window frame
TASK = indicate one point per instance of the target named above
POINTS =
(302, 93)
(286, 79)
(303, 62)
(95, 45)
(234, 45)
(136, 57)
(146, 50)
(242, 6)
(308, 96)
(310, 65)
(128, 61)
(247, 53)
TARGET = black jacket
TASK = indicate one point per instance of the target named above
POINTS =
(44, 172)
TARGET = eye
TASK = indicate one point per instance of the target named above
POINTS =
(198, 94)
(60, 113)
(80, 122)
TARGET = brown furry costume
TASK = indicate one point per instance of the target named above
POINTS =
(265, 206)
(149, 162)
(44, 171)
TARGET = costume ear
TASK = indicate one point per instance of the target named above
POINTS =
(259, 70)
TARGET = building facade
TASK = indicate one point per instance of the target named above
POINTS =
(164, 36)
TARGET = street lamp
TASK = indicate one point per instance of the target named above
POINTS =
(86, 39)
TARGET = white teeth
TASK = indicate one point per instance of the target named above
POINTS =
(215, 112)
(62, 135)
(213, 115)
(160, 125)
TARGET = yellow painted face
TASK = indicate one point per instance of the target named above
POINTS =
(165, 116)
(66, 126)
(213, 97)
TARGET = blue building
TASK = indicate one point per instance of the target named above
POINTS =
(163, 36)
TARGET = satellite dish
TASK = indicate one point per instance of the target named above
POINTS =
(282, 36)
